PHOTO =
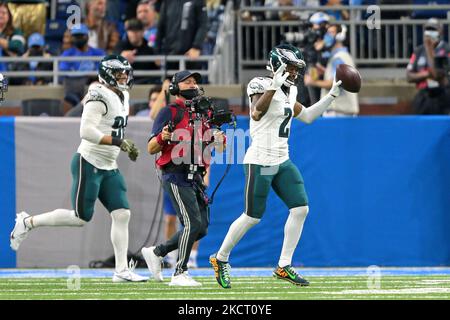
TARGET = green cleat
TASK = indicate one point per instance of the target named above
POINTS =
(289, 274)
(221, 271)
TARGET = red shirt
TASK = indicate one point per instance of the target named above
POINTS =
(181, 152)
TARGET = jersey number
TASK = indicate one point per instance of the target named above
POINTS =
(119, 127)
(284, 132)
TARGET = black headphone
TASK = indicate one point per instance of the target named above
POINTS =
(174, 89)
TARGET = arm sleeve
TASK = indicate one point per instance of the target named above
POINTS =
(202, 27)
(308, 115)
(90, 119)
(163, 117)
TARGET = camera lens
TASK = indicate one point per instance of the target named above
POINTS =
(203, 104)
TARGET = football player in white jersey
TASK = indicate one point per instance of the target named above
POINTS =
(273, 104)
(94, 167)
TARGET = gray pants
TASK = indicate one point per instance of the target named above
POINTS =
(194, 217)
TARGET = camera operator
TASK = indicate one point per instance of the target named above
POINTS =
(427, 68)
(320, 23)
(310, 40)
(181, 179)
(347, 103)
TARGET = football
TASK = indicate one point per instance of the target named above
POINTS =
(351, 79)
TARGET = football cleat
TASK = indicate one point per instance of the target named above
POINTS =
(20, 231)
(128, 275)
(221, 271)
(153, 263)
(289, 274)
(184, 280)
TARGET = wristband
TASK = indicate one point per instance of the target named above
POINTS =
(160, 140)
(116, 141)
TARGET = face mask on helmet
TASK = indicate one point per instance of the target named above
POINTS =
(292, 58)
(124, 79)
(289, 55)
(294, 72)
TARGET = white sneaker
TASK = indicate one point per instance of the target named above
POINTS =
(128, 275)
(20, 231)
(153, 263)
(184, 280)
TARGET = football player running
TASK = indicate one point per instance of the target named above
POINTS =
(266, 162)
(94, 168)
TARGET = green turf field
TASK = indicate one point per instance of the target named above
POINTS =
(330, 287)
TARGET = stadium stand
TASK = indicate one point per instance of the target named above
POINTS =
(42, 107)
(381, 55)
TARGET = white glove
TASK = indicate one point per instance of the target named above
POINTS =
(279, 78)
(336, 88)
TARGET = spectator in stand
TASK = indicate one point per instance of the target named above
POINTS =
(305, 14)
(36, 48)
(162, 99)
(29, 15)
(113, 11)
(103, 34)
(133, 4)
(347, 103)
(427, 68)
(316, 68)
(280, 15)
(337, 14)
(215, 10)
(182, 29)
(135, 45)
(12, 41)
(74, 87)
(152, 96)
(147, 14)
(252, 16)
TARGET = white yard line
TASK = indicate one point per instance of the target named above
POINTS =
(396, 291)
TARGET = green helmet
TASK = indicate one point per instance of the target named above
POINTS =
(109, 69)
(288, 54)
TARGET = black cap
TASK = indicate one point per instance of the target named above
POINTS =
(134, 25)
(183, 75)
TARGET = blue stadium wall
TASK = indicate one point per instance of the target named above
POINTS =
(7, 190)
(379, 191)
